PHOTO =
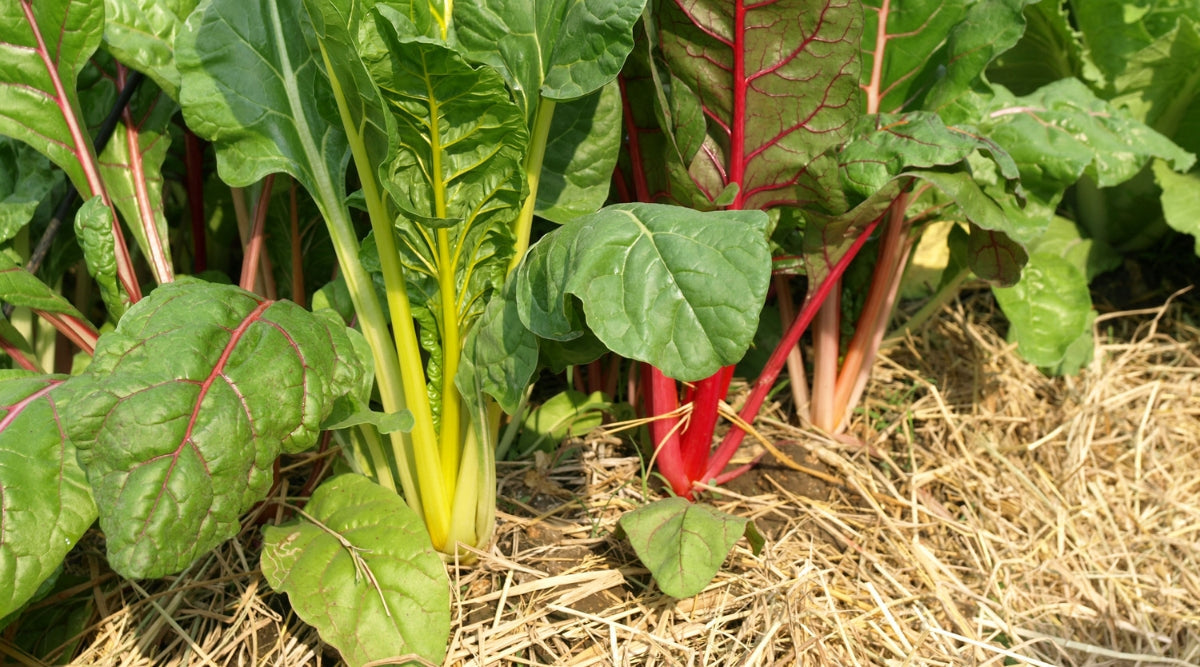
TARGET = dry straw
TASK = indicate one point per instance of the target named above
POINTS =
(985, 515)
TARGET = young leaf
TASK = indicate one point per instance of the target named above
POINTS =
(185, 407)
(683, 544)
(568, 413)
(45, 503)
(92, 230)
(557, 49)
(358, 566)
(669, 286)
(141, 34)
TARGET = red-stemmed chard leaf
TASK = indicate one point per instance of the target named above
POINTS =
(43, 48)
(132, 167)
(45, 504)
(778, 83)
(185, 407)
(21, 288)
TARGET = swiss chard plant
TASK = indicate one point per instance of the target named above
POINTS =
(426, 137)
(855, 125)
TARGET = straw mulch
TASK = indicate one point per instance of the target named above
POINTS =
(987, 515)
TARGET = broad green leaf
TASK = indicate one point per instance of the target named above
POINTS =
(252, 85)
(557, 49)
(26, 177)
(185, 407)
(585, 138)
(456, 176)
(914, 31)
(93, 230)
(45, 503)
(1180, 200)
(779, 83)
(683, 544)
(141, 34)
(38, 101)
(1048, 310)
(566, 414)
(1091, 256)
(131, 165)
(1160, 84)
(359, 567)
(669, 286)
(1063, 130)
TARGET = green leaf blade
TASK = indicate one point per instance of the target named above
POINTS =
(683, 544)
(175, 445)
(665, 285)
(45, 502)
(141, 34)
(38, 101)
(394, 601)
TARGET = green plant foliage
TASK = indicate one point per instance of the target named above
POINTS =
(25, 179)
(358, 566)
(154, 427)
(141, 34)
(564, 415)
(683, 543)
(45, 502)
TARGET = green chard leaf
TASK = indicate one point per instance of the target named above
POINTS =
(141, 34)
(455, 174)
(669, 286)
(99, 251)
(1160, 84)
(1180, 199)
(358, 565)
(585, 137)
(557, 49)
(26, 177)
(131, 165)
(684, 544)
(177, 445)
(1063, 131)
(45, 503)
(38, 101)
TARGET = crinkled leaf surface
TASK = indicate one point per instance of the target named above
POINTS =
(1063, 130)
(366, 576)
(675, 288)
(44, 45)
(26, 177)
(778, 81)
(1115, 30)
(141, 34)
(683, 544)
(45, 503)
(1049, 309)
(558, 49)
(93, 230)
(185, 407)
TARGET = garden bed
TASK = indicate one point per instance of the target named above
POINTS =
(987, 515)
